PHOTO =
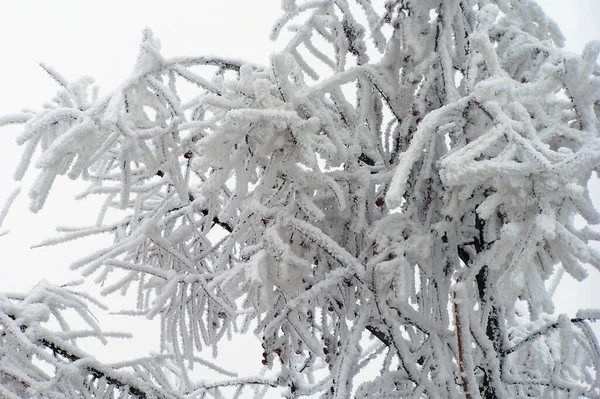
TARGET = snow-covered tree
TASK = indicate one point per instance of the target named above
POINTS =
(392, 199)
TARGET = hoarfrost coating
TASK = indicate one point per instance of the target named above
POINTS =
(391, 192)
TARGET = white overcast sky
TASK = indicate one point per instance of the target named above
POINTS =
(100, 39)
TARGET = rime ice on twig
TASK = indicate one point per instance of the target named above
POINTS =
(408, 174)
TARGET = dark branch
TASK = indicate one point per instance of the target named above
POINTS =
(366, 159)
(541, 332)
(380, 335)
(217, 221)
(57, 349)
(92, 370)
(231, 64)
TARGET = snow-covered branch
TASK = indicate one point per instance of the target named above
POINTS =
(409, 175)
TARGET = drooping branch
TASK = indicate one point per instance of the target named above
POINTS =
(541, 332)
(70, 354)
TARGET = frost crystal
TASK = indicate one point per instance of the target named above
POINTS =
(384, 201)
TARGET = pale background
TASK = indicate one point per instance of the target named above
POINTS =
(101, 39)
